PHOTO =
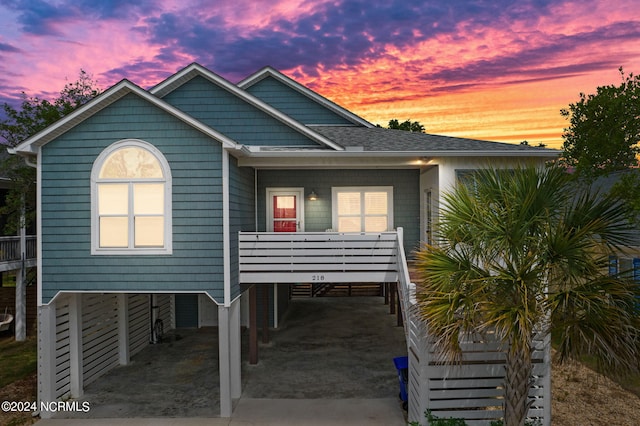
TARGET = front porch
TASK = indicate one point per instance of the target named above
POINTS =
(318, 257)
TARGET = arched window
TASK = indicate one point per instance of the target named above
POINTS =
(131, 200)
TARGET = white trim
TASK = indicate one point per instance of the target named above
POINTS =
(369, 159)
(362, 190)
(39, 230)
(166, 180)
(305, 91)
(255, 198)
(296, 191)
(226, 229)
(134, 291)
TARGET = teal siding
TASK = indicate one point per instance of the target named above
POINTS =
(406, 195)
(186, 310)
(232, 116)
(195, 162)
(241, 213)
(294, 103)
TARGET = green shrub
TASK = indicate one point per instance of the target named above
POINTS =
(435, 421)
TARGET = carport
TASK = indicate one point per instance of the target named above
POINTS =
(326, 348)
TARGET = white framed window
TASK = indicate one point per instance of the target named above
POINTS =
(131, 200)
(362, 209)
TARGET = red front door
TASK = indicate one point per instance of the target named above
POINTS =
(285, 210)
(285, 218)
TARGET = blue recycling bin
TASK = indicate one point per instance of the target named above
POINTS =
(402, 365)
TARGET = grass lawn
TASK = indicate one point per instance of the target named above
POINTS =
(18, 359)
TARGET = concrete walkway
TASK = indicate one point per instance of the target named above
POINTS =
(330, 363)
(274, 412)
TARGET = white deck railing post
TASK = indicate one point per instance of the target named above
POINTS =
(46, 356)
(75, 345)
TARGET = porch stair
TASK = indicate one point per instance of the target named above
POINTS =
(352, 290)
(297, 291)
(336, 290)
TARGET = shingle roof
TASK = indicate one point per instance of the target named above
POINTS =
(380, 139)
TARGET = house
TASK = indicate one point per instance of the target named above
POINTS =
(17, 258)
(174, 203)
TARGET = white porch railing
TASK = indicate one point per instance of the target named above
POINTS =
(317, 257)
(10, 252)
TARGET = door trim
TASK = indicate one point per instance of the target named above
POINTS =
(298, 192)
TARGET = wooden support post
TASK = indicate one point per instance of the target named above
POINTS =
(399, 320)
(253, 325)
(386, 293)
(392, 298)
(265, 313)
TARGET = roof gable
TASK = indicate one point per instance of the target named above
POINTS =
(248, 106)
(297, 100)
(241, 121)
(295, 104)
(108, 97)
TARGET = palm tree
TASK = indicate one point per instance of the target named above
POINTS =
(524, 252)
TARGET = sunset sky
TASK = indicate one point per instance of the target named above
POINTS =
(489, 69)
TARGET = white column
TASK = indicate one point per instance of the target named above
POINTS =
(21, 289)
(75, 345)
(21, 305)
(123, 328)
(547, 381)
(235, 349)
(47, 355)
(224, 363)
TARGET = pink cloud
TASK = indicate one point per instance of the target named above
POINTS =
(496, 72)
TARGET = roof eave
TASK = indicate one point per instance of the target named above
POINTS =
(256, 151)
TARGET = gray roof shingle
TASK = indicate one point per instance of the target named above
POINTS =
(380, 139)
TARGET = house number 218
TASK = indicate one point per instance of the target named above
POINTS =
(317, 277)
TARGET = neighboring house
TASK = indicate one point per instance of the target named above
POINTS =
(166, 203)
(625, 263)
(17, 256)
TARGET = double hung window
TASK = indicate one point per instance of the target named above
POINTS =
(131, 200)
(362, 209)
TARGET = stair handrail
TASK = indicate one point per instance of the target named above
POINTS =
(406, 289)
